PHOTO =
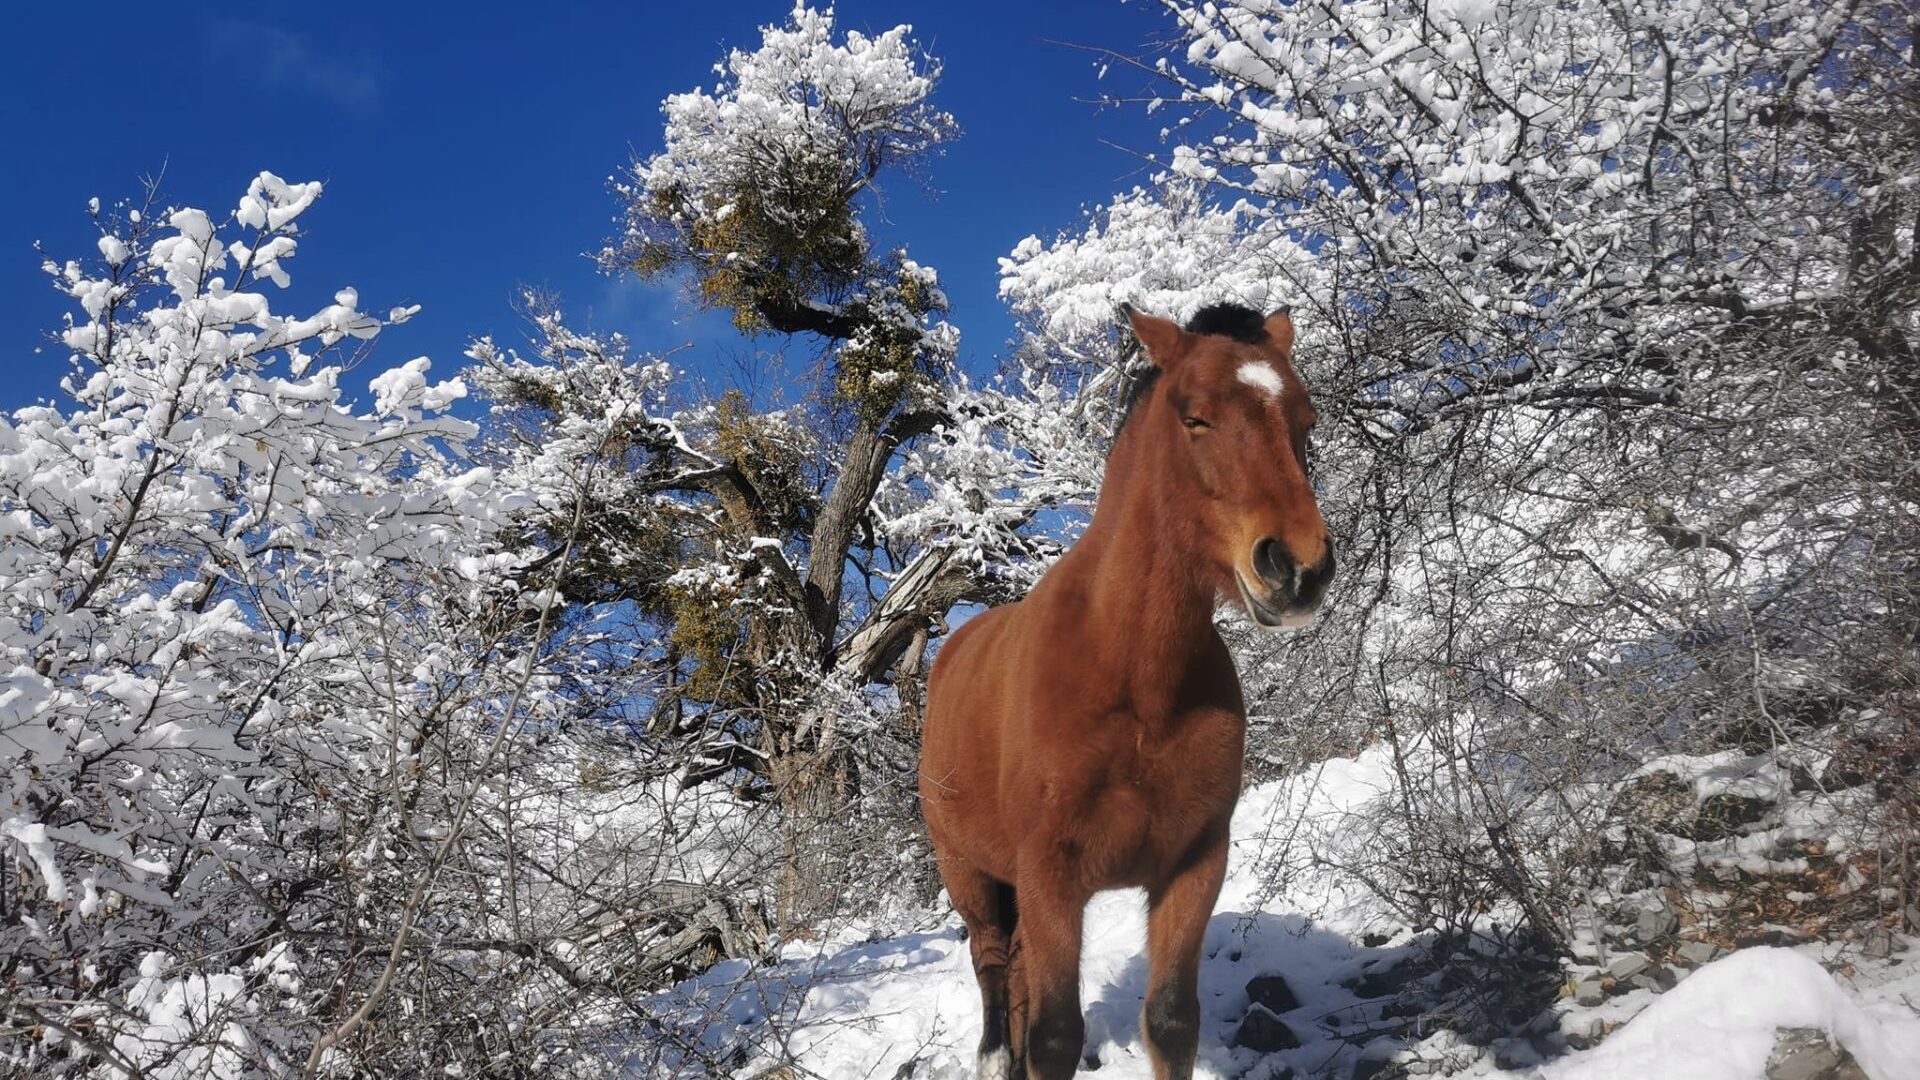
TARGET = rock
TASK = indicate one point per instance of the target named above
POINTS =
(1876, 943)
(1265, 1033)
(1589, 992)
(1513, 1054)
(1771, 937)
(1802, 781)
(1627, 966)
(1368, 1068)
(1806, 1054)
(1585, 1033)
(1272, 993)
(1656, 978)
(1400, 1008)
(1727, 814)
(1697, 952)
(1655, 924)
(1381, 983)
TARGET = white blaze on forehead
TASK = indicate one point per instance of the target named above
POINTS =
(1262, 377)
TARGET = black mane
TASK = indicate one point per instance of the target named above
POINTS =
(1235, 321)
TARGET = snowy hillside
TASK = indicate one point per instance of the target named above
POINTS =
(559, 711)
(905, 1005)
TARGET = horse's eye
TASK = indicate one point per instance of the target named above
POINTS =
(1194, 423)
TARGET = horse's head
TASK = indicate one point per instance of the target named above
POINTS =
(1230, 417)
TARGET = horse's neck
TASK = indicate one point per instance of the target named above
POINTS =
(1143, 585)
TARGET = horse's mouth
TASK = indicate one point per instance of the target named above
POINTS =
(1269, 616)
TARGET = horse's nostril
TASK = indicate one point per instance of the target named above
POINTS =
(1274, 565)
(1313, 579)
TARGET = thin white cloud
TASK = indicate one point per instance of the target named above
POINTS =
(276, 56)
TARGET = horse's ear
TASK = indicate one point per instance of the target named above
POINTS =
(1279, 326)
(1162, 338)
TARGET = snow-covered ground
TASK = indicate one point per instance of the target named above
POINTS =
(906, 1006)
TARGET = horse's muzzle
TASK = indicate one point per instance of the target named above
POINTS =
(1292, 592)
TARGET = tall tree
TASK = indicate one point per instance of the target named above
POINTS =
(1610, 319)
(756, 535)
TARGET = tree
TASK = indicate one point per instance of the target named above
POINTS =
(1608, 318)
(308, 768)
(222, 587)
(779, 548)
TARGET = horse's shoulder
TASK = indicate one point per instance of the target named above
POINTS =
(970, 636)
(986, 624)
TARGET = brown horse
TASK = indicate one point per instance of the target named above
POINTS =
(1090, 736)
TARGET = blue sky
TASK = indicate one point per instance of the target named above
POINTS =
(467, 154)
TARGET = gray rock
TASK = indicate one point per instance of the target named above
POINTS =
(1802, 779)
(1627, 966)
(1589, 992)
(1655, 924)
(1272, 993)
(1806, 1054)
(1368, 1068)
(1585, 1033)
(1698, 952)
(1265, 1033)
(1390, 981)
(1876, 943)
(1514, 1054)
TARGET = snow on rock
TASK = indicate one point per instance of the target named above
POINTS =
(1721, 1023)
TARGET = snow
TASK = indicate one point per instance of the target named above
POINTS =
(869, 1004)
(799, 91)
(33, 837)
(1721, 1023)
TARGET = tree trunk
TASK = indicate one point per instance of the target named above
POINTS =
(816, 789)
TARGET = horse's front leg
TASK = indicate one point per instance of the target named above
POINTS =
(1048, 941)
(1177, 916)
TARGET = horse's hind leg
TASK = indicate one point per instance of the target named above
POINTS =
(1177, 916)
(987, 906)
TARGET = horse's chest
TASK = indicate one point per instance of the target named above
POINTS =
(1152, 798)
